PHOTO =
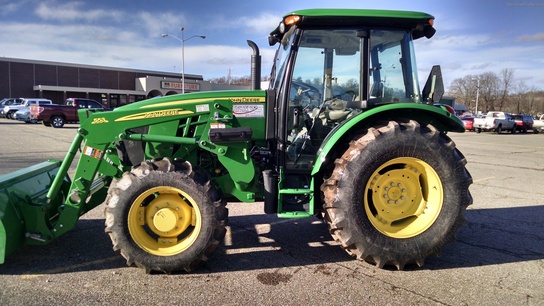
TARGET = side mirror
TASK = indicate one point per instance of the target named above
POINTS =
(434, 87)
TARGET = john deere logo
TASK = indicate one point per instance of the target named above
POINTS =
(99, 120)
(156, 114)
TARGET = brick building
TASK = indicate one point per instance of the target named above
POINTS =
(21, 78)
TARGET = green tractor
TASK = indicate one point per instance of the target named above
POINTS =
(342, 133)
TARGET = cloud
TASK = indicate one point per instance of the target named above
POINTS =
(265, 22)
(458, 60)
(12, 7)
(481, 66)
(85, 32)
(74, 11)
(539, 37)
(155, 24)
(227, 61)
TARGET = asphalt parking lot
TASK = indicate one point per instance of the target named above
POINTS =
(497, 260)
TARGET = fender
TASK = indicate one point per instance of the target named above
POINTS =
(439, 117)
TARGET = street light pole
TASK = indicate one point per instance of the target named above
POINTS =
(182, 60)
(182, 40)
(477, 95)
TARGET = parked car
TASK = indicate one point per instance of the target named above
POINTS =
(495, 121)
(24, 115)
(523, 123)
(538, 124)
(57, 115)
(8, 101)
(10, 110)
(469, 123)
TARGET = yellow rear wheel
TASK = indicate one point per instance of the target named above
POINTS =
(397, 194)
(404, 197)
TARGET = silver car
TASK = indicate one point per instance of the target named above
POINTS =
(9, 101)
(24, 115)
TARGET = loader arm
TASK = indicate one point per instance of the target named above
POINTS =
(173, 126)
(99, 161)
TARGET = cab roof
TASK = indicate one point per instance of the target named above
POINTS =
(419, 23)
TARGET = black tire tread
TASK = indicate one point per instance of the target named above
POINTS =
(341, 226)
(183, 170)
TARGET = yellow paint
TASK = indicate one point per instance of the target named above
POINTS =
(155, 114)
(233, 99)
(404, 197)
(99, 120)
(168, 225)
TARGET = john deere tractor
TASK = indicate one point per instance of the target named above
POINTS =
(343, 133)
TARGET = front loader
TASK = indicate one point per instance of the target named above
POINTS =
(342, 133)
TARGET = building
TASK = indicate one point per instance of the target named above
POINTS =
(111, 86)
(458, 108)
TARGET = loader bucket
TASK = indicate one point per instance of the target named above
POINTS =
(23, 204)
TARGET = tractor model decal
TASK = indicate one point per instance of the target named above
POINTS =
(155, 114)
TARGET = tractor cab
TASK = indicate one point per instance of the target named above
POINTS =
(326, 73)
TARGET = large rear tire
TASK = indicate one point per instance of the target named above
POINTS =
(397, 195)
(165, 217)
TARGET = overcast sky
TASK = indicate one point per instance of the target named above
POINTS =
(472, 37)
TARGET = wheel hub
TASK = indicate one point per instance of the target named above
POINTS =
(394, 194)
(168, 215)
(165, 220)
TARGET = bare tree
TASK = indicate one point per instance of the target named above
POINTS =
(506, 82)
(538, 104)
(518, 97)
(244, 80)
(464, 91)
(534, 101)
(497, 92)
(489, 91)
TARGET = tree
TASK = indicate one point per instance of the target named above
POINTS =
(518, 97)
(244, 80)
(506, 81)
(464, 90)
(489, 91)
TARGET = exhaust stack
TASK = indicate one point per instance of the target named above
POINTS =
(255, 66)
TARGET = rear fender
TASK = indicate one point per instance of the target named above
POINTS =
(423, 113)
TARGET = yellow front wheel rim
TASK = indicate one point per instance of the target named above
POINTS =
(403, 197)
(164, 221)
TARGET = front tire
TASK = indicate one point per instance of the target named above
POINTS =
(397, 195)
(165, 217)
(57, 122)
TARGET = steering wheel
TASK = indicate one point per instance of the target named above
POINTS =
(307, 95)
